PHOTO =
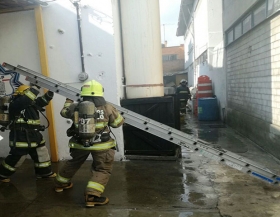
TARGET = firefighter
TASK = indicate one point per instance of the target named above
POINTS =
(183, 95)
(183, 88)
(25, 137)
(99, 144)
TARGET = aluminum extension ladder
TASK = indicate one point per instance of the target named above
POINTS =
(163, 131)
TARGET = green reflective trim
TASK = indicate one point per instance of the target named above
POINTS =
(30, 95)
(101, 125)
(43, 165)
(25, 144)
(63, 112)
(61, 179)
(8, 166)
(67, 104)
(95, 147)
(95, 186)
(29, 121)
(118, 120)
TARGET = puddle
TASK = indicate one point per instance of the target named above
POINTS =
(190, 179)
(196, 198)
(188, 161)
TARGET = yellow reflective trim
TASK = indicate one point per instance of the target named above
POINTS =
(67, 104)
(25, 144)
(61, 179)
(42, 165)
(118, 120)
(63, 112)
(29, 121)
(95, 186)
(8, 166)
(29, 94)
(95, 147)
(101, 124)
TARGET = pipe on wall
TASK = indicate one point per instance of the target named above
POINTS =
(83, 75)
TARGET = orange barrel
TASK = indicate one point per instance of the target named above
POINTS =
(204, 87)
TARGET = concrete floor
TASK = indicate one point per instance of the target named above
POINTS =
(191, 186)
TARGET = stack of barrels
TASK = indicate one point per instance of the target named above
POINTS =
(204, 90)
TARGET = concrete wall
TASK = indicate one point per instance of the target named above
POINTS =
(254, 85)
(233, 9)
(18, 42)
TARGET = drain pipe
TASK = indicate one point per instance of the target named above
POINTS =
(83, 75)
(122, 52)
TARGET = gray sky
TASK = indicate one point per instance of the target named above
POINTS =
(169, 14)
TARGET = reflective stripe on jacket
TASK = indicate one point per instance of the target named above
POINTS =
(29, 121)
(95, 147)
(25, 144)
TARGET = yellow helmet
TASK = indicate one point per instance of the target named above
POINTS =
(92, 88)
(20, 90)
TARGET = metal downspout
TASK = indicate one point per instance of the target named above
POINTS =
(45, 71)
(83, 75)
(122, 52)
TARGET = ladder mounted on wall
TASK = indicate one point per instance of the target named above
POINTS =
(158, 129)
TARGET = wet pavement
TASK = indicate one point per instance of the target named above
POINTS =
(191, 186)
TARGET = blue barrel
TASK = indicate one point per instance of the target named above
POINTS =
(208, 109)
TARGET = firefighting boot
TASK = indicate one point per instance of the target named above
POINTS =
(59, 189)
(5, 180)
(91, 200)
(53, 175)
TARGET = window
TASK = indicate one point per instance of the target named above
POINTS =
(259, 14)
(173, 57)
(237, 31)
(169, 57)
(230, 37)
(255, 16)
(272, 6)
(165, 57)
(246, 24)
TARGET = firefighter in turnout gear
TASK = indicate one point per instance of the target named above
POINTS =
(25, 137)
(90, 134)
(183, 95)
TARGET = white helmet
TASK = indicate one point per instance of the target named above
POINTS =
(183, 81)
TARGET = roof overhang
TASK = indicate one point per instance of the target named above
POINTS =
(7, 6)
(184, 16)
(175, 73)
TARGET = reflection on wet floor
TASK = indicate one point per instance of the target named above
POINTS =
(137, 188)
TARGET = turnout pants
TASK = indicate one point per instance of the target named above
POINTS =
(101, 169)
(16, 157)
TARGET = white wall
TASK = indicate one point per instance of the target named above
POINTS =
(201, 28)
(215, 22)
(18, 41)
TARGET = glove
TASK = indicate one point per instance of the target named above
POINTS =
(49, 95)
(69, 100)
(35, 85)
